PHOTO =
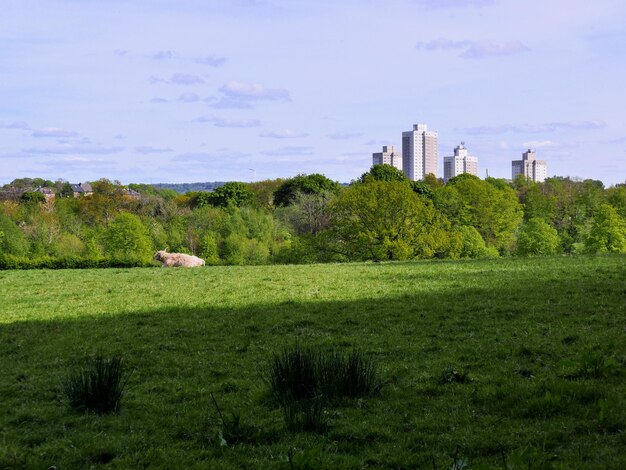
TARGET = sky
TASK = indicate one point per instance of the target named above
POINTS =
(149, 91)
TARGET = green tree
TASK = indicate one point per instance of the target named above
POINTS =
(432, 181)
(68, 245)
(537, 237)
(538, 203)
(423, 189)
(13, 241)
(308, 214)
(66, 190)
(263, 192)
(33, 197)
(472, 244)
(382, 173)
(608, 232)
(307, 184)
(494, 211)
(385, 220)
(127, 238)
(232, 194)
(209, 249)
(616, 196)
(234, 249)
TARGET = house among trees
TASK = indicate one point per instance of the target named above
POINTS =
(82, 189)
(132, 194)
(48, 193)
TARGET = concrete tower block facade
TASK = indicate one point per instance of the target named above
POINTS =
(459, 163)
(389, 156)
(532, 169)
(420, 152)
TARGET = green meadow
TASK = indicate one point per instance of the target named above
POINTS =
(487, 364)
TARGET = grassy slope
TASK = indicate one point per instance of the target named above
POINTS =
(519, 327)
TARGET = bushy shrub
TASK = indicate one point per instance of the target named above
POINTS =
(209, 250)
(97, 386)
(70, 262)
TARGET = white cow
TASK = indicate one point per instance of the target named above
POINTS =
(172, 260)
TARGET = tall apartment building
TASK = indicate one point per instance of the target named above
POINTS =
(388, 156)
(459, 163)
(419, 152)
(532, 169)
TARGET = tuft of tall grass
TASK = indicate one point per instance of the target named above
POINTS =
(97, 386)
(294, 374)
(304, 373)
(306, 415)
(360, 376)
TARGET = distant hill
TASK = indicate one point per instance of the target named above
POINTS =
(183, 188)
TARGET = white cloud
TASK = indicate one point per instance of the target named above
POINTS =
(481, 49)
(148, 150)
(283, 134)
(163, 55)
(220, 122)
(211, 60)
(344, 135)
(189, 97)
(550, 145)
(53, 132)
(535, 128)
(289, 151)
(440, 4)
(227, 103)
(253, 91)
(475, 49)
(179, 79)
(378, 142)
(69, 149)
(14, 125)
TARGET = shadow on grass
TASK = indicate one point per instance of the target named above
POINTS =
(181, 354)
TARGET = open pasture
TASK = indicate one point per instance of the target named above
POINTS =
(509, 363)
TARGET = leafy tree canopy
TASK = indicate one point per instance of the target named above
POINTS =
(537, 237)
(127, 237)
(382, 173)
(263, 192)
(232, 194)
(608, 232)
(30, 183)
(307, 184)
(494, 212)
(385, 220)
(423, 189)
(33, 197)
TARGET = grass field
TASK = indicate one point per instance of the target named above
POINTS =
(539, 343)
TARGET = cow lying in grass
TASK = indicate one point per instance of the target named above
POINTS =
(173, 260)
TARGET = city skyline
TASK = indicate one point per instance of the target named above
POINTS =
(255, 89)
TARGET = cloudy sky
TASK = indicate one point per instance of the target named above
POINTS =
(222, 90)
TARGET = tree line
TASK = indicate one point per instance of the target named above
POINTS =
(309, 218)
